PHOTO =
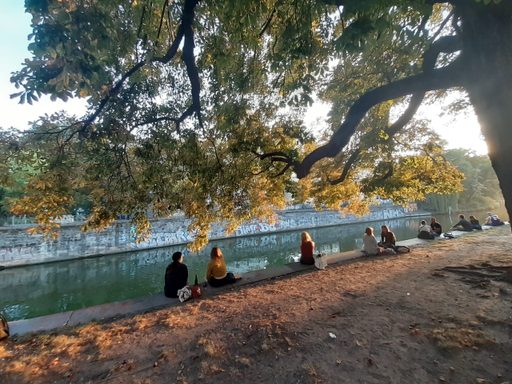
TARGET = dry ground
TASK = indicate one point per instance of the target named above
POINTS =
(397, 319)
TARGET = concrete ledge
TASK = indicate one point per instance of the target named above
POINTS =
(108, 311)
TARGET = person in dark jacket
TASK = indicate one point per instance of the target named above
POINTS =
(463, 224)
(176, 275)
(437, 229)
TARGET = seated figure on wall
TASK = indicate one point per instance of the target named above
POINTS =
(176, 275)
(371, 247)
(463, 225)
(387, 238)
(493, 220)
(436, 228)
(307, 249)
(475, 223)
(425, 231)
(217, 274)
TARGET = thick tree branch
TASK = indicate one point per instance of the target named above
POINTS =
(184, 28)
(426, 81)
(190, 63)
(444, 44)
(443, 24)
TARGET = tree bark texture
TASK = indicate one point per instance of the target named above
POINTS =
(487, 56)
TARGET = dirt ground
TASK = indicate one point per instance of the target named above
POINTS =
(396, 319)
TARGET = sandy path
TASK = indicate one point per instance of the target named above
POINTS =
(398, 319)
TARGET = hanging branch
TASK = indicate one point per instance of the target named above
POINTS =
(161, 21)
(187, 19)
(267, 22)
(429, 79)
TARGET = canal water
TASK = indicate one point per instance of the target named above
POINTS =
(37, 290)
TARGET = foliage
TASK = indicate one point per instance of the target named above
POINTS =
(480, 186)
(197, 106)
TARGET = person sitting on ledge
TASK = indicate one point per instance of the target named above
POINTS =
(387, 238)
(370, 246)
(217, 274)
(176, 275)
(463, 225)
(425, 231)
(307, 249)
(436, 228)
(475, 223)
(493, 220)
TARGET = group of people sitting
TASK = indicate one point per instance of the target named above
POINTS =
(176, 274)
(217, 275)
(435, 229)
(386, 245)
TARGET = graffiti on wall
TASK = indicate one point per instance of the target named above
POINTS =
(17, 247)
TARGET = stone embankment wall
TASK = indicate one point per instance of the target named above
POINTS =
(17, 247)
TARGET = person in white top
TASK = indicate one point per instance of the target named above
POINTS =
(370, 246)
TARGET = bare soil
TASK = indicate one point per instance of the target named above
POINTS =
(442, 313)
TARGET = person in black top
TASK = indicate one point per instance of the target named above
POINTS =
(436, 227)
(463, 224)
(176, 275)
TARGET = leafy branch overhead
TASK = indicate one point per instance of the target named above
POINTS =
(198, 106)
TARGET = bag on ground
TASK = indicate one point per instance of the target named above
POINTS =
(320, 261)
(196, 289)
(184, 294)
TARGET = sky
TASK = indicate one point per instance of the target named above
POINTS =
(460, 131)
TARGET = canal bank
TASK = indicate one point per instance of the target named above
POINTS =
(108, 311)
(37, 290)
(406, 318)
(18, 248)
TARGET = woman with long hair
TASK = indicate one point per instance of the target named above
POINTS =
(387, 238)
(371, 247)
(307, 249)
(217, 274)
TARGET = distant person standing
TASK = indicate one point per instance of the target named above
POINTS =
(307, 249)
(387, 238)
(176, 275)
(463, 225)
(436, 228)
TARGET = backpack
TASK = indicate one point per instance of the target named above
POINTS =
(320, 262)
(4, 327)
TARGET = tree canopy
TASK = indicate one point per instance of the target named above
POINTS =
(198, 106)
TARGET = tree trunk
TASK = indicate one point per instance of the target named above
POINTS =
(487, 55)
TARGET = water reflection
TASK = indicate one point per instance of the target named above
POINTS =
(49, 288)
